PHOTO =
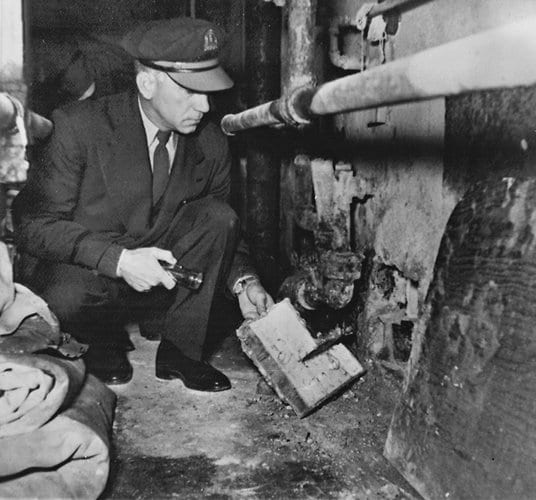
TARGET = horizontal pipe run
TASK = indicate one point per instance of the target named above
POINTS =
(291, 110)
(250, 118)
(498, 58)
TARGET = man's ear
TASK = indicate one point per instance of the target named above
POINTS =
(146, 83)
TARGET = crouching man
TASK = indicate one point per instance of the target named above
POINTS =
(132, 182)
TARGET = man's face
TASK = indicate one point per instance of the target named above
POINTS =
(176, 107)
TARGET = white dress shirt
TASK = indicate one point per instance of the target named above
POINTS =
(150, 136)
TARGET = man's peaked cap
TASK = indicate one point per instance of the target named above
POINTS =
(185, 48)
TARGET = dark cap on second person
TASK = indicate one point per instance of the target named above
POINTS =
(186, 49)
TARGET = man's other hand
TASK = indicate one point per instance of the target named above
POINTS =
(254, 301)
(142, 271)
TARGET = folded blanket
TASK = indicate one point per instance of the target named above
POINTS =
(33, 388)
(54, 421)
(67, 457)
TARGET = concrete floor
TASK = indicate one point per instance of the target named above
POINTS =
(170, 442)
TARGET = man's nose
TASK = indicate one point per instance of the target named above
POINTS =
(201, 103)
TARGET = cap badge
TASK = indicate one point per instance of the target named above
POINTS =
(210, 41)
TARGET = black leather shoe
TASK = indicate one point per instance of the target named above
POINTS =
(171, 363)
(109, 363)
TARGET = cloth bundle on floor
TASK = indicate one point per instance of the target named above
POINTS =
(55, 420)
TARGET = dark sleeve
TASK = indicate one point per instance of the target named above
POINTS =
(216, 148)
(220, 187)
(45, 207)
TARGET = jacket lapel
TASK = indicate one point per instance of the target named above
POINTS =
(126, 168)
(187, 159)
(127, 172)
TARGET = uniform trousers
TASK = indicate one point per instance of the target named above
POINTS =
(95, 308)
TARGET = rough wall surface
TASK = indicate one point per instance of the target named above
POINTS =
(406, 217)
(465, 427)
(489, 135)
(415, 161)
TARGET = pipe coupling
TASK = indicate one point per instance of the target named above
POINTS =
(293, 109)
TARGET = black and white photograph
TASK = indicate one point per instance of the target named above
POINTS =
(268, 249)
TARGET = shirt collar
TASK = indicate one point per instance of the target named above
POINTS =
(150, 128)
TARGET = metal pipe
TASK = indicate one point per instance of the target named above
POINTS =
(298, 70)
(388, 5)
(292, 110)
(264, 114)
(498, 58)
(301, 17)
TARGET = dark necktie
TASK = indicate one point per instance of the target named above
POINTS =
(160, 165)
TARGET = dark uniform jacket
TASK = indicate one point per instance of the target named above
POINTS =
(90, 196)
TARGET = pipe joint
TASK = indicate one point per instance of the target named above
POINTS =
(293, 109)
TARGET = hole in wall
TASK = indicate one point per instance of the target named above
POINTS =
(393, 307)
(402, 340)
(304, 242)
(385, 281)
(357, 209)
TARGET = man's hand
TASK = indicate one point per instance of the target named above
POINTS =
(254, 300)
(142, 271)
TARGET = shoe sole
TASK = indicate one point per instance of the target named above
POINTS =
(115, 381)
(164, 375)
